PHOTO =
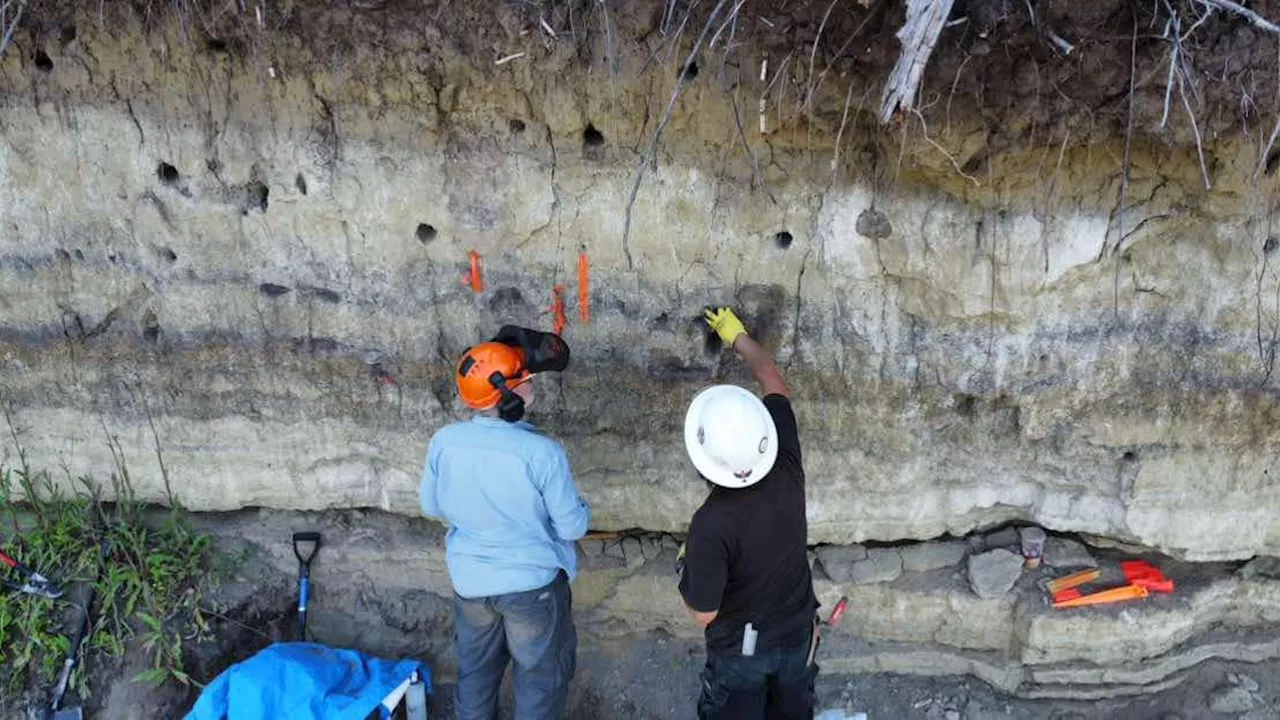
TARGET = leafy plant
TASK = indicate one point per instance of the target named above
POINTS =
(146, 566)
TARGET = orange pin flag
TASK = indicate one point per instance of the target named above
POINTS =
(584, 288)
(1104, 597)
(473, 278)
(557, 308)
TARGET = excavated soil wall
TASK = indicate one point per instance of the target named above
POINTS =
(232, 246)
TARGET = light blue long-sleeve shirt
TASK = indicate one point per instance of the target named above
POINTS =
(508, 495)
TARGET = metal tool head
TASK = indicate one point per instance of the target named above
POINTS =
(40, 589)
(74, 713)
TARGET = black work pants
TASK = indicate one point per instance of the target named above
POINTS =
(773, 684)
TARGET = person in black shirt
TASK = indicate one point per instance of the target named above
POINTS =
(746, 572)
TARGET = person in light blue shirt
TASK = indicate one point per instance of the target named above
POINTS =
(508, 495)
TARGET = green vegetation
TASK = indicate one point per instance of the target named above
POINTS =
(148, 591)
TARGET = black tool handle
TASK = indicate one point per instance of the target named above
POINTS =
(73, 655)
(304, 576)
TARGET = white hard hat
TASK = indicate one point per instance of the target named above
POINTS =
(730, 436)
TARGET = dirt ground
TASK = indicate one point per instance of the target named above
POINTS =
(651, 676)
(638, 675)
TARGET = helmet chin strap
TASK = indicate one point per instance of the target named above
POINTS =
(511, 406)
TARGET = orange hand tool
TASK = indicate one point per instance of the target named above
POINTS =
(1164, 585)
(584, 288)
(1104, 597)
(557, 309)
(473, 278)
(1070, 581)
(1141, 572)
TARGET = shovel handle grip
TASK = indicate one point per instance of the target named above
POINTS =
(300, 538)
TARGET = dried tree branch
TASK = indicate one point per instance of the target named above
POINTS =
(650, 154)
(1124, 176)
(924, 128)
(1275, 131)
(813, 53)
(918, 35)
(1243, 11)
(8, 25)
(1195, 129)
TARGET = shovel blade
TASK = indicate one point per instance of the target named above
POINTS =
(74, 713)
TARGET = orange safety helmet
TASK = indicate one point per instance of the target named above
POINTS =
(477, 366)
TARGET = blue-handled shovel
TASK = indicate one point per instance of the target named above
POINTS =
(305, 546)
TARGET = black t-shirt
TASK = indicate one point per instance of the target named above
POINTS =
(746, 555)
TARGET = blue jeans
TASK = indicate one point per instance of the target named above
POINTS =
(775, 683)
(534, 628)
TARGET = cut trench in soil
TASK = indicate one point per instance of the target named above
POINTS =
(920, 644)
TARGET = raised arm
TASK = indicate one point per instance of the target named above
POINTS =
(731, 331)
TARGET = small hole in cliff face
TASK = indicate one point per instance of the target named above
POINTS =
(68, 34)
(272, 289)
(1273, 161)
(966, 405)
(783, 239)
(43, 62)
(167, 173)
(591, 137)
(217, 45)
(300, 183)
(425, 233)
(150, 327)
(256, 197)
(169, 255)
(516, 125)
(690, 71)
(1129, 456)
(711, 342)
(1270, 245)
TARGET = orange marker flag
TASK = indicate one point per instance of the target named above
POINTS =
(473, 278)
(584, 288)
(1104, 597)
(557, 308)
(1083, 577)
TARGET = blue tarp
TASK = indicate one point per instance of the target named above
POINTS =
(304, 681)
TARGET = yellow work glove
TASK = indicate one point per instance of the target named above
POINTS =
(726, 324)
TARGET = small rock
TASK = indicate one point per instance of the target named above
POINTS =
(670, 543)
(1229, 700)
(591, 548)
(1261, 567)
(925, 556)
(614, 550)
(951, 715)
(1005, 538)
(813, 559)
(976, 543)
(1064, 553)
(651, 547)
(838, 560)
(873, 224)
(993, 574)
(1249, 683)
(633, 551)
(881, 565)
